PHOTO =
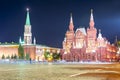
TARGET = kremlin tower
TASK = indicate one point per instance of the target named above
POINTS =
(31, 49)
(27, 30)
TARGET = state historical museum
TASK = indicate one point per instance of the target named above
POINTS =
(87, 45)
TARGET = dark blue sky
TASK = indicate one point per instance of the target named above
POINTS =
(50, 18)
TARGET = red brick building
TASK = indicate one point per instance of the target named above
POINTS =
(87, 45)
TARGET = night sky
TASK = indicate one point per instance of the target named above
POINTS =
(50, 18)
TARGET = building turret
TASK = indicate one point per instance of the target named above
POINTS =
(28, 17)
(71, 26)
(34, 41)
(100, 35)
(27, 30)
(91, 33)
(20, 40)
(91, 24)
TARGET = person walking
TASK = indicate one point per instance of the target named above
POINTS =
(30, 60)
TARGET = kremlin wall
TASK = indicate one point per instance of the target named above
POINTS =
(78, 45)
(35, 51)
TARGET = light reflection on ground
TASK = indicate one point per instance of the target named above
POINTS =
(60, 71)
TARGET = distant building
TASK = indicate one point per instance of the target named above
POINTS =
(86, 45)
(30, 46)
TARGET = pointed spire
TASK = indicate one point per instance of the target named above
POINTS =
(20, 40)
(91, 24)
(99, 35)
(65, 39)
(71, 20)
(28, 17)
(99, 31)
(91, 17)
(71, 26)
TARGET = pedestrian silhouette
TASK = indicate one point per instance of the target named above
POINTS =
(30, 60)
